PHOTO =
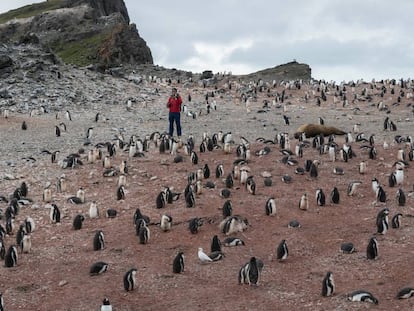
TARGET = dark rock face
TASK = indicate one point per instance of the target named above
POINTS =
(288, 71)
(5, 61)
(103, 7)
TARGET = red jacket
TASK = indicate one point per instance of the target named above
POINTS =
(174, 103)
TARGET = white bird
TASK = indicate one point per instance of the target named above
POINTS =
(203, 256)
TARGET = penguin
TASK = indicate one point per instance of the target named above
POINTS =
(99, 241)
(138, 215)
(270, 207)
(54, 213)
(282, 251)
(216, 256)
(29, 225)
(77, 222)
(227, 209)
(93, 210)
(352, 186)
(190, 199)
(194, 225)
(313, 169)
(399, 176)
(129, 279)
(61, 184)
(406, 292)
(335, 196)
(98, 267)
(286, 120)
(251, 185)
(233, 241)
(89, 133)
(392, 180)
(10, 259)
(20, 234)
(144, 235)
(215, 244)
(303, 202)
(68, 115)
(23, 189)
(320, 197)
(294, 224)
(229, 181)
(396, 221)
(401, 198)
(219, 171)
(328, 285)
(111, 213)
(203, 257)
(178, 263)
(254, 273)
(362, 168)
(1, 302)
(372, 249)
(26, 244)
(120, 193)
(206, 171)
(382, 221)
(106, 305)
(160, 201)
(57, 131)
(194, 157)
(47, 195)
(347, 248)
(362, 295)
(225, 193)
(233, 224)
(166, 223)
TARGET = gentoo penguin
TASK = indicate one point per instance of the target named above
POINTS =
(120, 193)
(270, 207)
(98, 268)
(138, 215)
(282, 251)
(47, 195)
(250, 272)
(57, 131)
(106, 305)
(29, 225)
(251, 185)
(26, 244)
(219, 171)
(20, 234)
(190, 199)
(372, 249)
(61, 184)
(303, 202)
(347, 248)
(233, 224)
(129, 279)
(160, 201)
(93, 210)
(99, 241)
(362, 168)
(215, 244)
(206, 171)
(320, 197)
(396, 221)
(399, 176)
(382, 221)
(89, 133)
(144, 235)
(313, 170)
(294, 224)
(77, 222)
(23, 189)
(233, 241)
(68, 115)
(178, 263)
(406, 292)
(10, 260)
(328, 285)
(1, 302)
(225, 193)
(401, 199)
(203, 257)
(352, 186)
(362, 295)
(54, 213)
(335, 196)
(227, 208)
(166, 223)
(194, 225)
(194, 157)
(111, 213)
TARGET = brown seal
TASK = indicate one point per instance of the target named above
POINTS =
(312, 130)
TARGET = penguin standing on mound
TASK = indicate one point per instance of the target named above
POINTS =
(99, 241)
(129, 279)
(178, 263)
(328, 285)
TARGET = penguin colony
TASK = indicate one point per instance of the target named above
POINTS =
(234, 179)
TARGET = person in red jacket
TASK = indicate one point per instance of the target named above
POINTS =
(174, 104)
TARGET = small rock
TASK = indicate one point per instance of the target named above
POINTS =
(63, 283)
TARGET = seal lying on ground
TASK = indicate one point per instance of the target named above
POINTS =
(312, 130)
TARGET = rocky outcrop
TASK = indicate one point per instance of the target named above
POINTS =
(81, 32)
(289, 71)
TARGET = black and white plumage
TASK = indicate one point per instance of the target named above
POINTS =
(26, 243)
(10, 259)
(129, 279)
(328, 285)
(270, 206)
(282, 251)
(93, 210)
(144, 234)
(190, 199)
(194, 225)
(372, 249)
(320, 197)
(352, 186)
(251, 185)
(219, 171)
(54, 213)
(335, 196)
(120, 193)
(227, 208)
(74, 200)
(106, 305)
(1, 302)
(99, 241)
(347, 248)
(381, 195)
(233, 241)
(166, 223)
(194, 157)
(161, 200)
(233, 224)
(303, 202)
(78, 221)
(313, 169)
(250, 272)
(111, 213)
(229, 181)
(98, 267)
(405, 293)
(178, 263)
(396, 221)
(29, 225)
(401, 198)
(138, 215)
(225, 193)
(382, 221)
(215, 244)
(363, 296)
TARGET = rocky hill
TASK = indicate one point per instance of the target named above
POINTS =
(80, 32)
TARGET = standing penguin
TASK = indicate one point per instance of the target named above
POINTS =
(270, 207)
(401, 199)
(303, 202)
(166, 222)
(99, 241)
(178, 263)
(215, 244)
(372, 249)
(282, 251)
(328, 285)
(144, 234)
(335, 196)
(254, 272)
(93, 210)
(10, 260)
(54, 213)
(251, 185)
(227, 209)
(219, 170)
(106, 305)
(382, 221)
(120, 193)
(77, 222)
(26, 244)
(129, 279)
(320, 197)
(396, 221)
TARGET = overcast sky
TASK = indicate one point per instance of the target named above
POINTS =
(339, 40)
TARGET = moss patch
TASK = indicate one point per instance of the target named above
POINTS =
(31, 10)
